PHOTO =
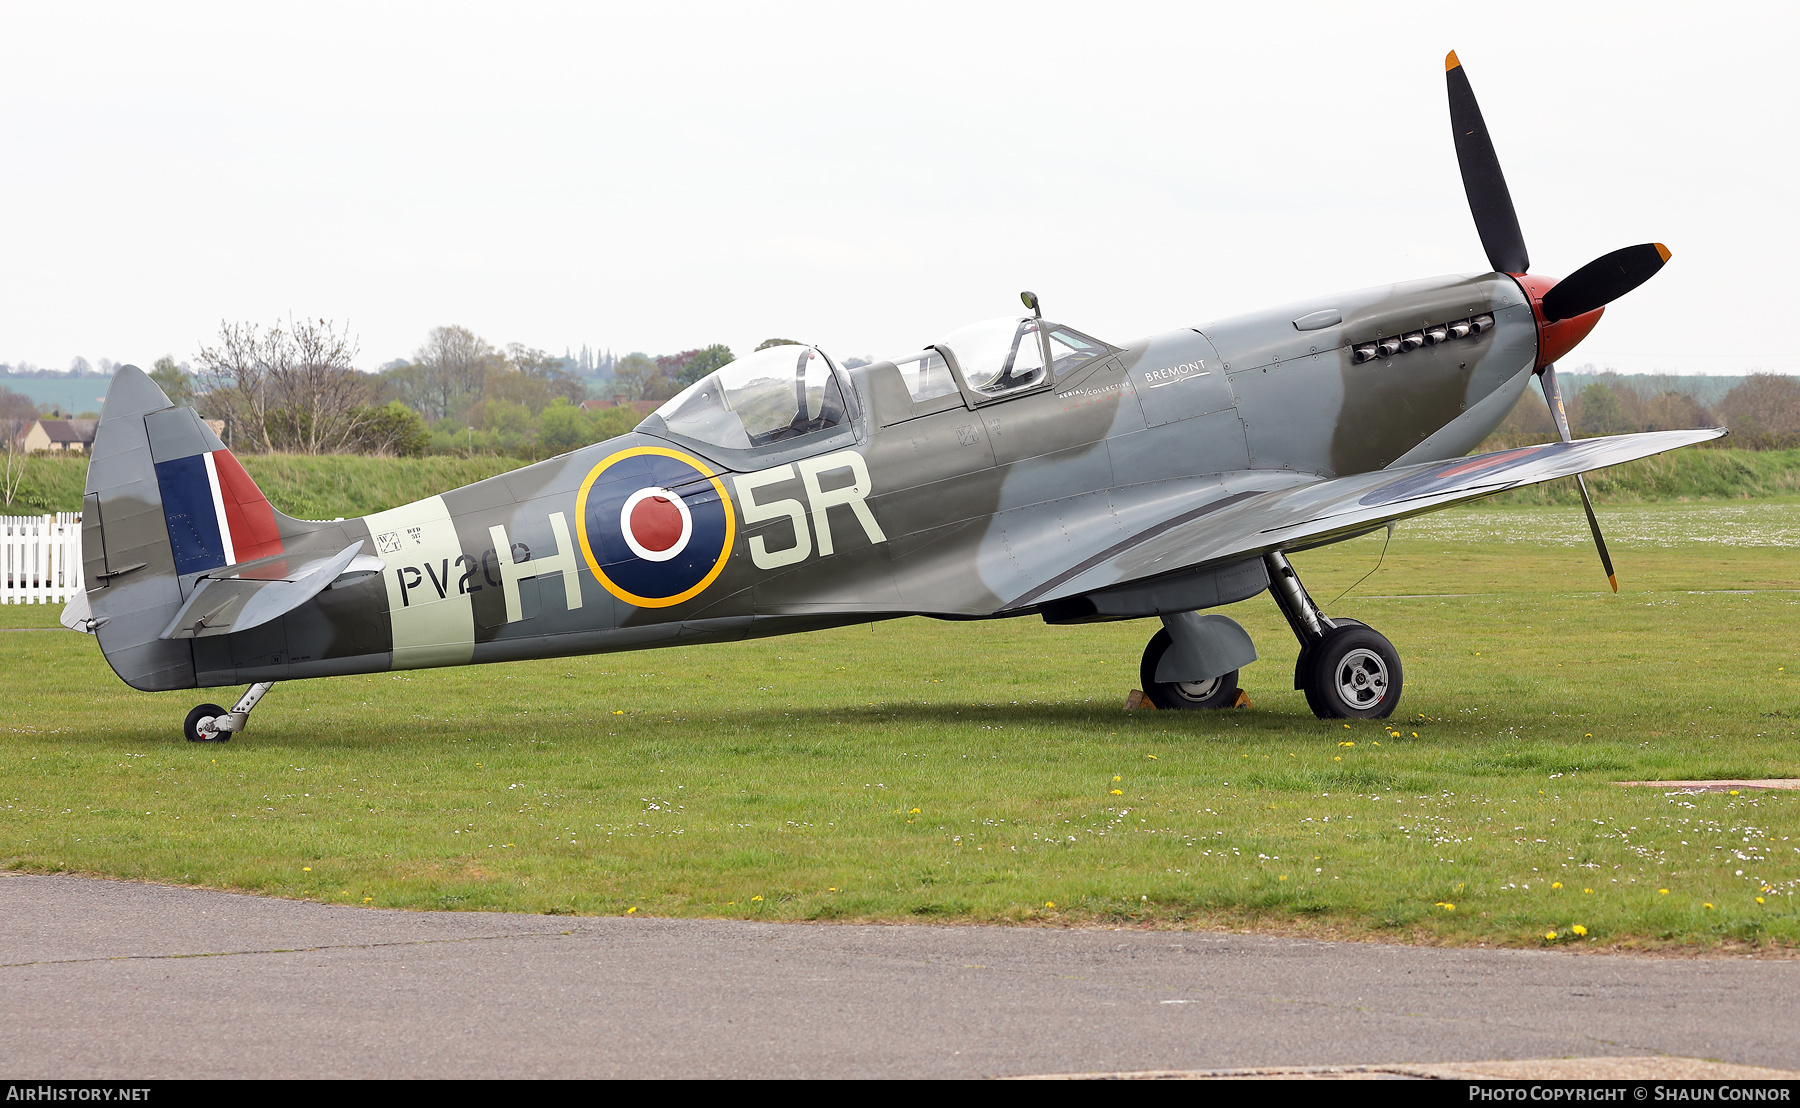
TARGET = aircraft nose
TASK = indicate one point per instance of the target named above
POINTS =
(1556, 337)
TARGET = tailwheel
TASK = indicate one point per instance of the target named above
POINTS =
(1216, 692)
(1352, 672)
(200, 728)
(209, 723)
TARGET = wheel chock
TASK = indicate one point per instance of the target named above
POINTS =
(1136, 700)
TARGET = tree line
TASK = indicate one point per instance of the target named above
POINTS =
(1762, 411)
(291, 387)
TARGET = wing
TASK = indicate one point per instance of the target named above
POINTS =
(1248, 523)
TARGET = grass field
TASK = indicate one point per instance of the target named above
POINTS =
(986, 772)
(353, 485)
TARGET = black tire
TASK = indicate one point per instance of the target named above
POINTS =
(1220, 692)
(1303, 663)
(1353, 673)
(192, 727)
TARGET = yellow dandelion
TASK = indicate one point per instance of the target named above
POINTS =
(1551, 935)
(1556, 884)
(1415, 734)
(1116, 777)
(631, 909)
(1587, 890)
(1118, 792)
(1283, 877)
(833, 889)
(1662, 892)
(1337, 757)
(366, 899)
(914, 812)
(1579, 929)
(1377, 742)
(1447, 906)
(1734, 792)
(1706, 905)
(619, 712)
(1049, 903)
(1346, 727)
(305, 869)
(1759, 900)
(1152, 757)
(756, 898)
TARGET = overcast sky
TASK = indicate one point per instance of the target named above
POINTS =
(868, 177)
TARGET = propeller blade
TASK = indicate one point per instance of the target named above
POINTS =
(1594, 526)
(1604, 280)
(1553, 393)
(1560, 415)
(1489, 201)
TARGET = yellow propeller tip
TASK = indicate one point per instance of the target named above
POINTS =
(1450, 61)
(1614, 580)
(1663, 250)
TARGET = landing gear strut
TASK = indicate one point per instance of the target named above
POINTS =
(209, 723)
(1347, 669)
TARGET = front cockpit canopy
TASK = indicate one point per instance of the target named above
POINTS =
(762, 399)
(999, 356)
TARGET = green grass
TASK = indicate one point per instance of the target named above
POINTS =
(956, 771)
(352, 485)
(1709, 473)
(307, 487)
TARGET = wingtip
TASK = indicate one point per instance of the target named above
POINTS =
(1663, 250)
(1450, 61)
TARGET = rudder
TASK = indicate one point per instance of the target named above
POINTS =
(164, 500)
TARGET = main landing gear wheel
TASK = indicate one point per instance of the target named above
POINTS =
(1352, 673)
(206, 713)
(1219, 692)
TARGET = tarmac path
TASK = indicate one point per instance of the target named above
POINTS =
(115, 979)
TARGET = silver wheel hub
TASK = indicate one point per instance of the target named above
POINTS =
(1362, 678)
(1198, 690)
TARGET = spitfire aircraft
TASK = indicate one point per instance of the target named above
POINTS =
(1014, 467)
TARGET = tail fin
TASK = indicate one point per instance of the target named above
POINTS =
(165, 500)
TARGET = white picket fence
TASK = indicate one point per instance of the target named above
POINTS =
(40, 558)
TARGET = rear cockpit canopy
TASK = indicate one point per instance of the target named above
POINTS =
(764, 399)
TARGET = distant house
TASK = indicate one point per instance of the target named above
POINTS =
(74, 436)
(60, 436)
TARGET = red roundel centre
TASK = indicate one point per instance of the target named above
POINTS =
(656, 523)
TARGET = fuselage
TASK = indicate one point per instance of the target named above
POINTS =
(907, 498)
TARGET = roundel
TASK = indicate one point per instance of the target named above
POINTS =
(656, 525)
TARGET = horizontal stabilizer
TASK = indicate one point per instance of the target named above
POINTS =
(237, 598)
(76, 615)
